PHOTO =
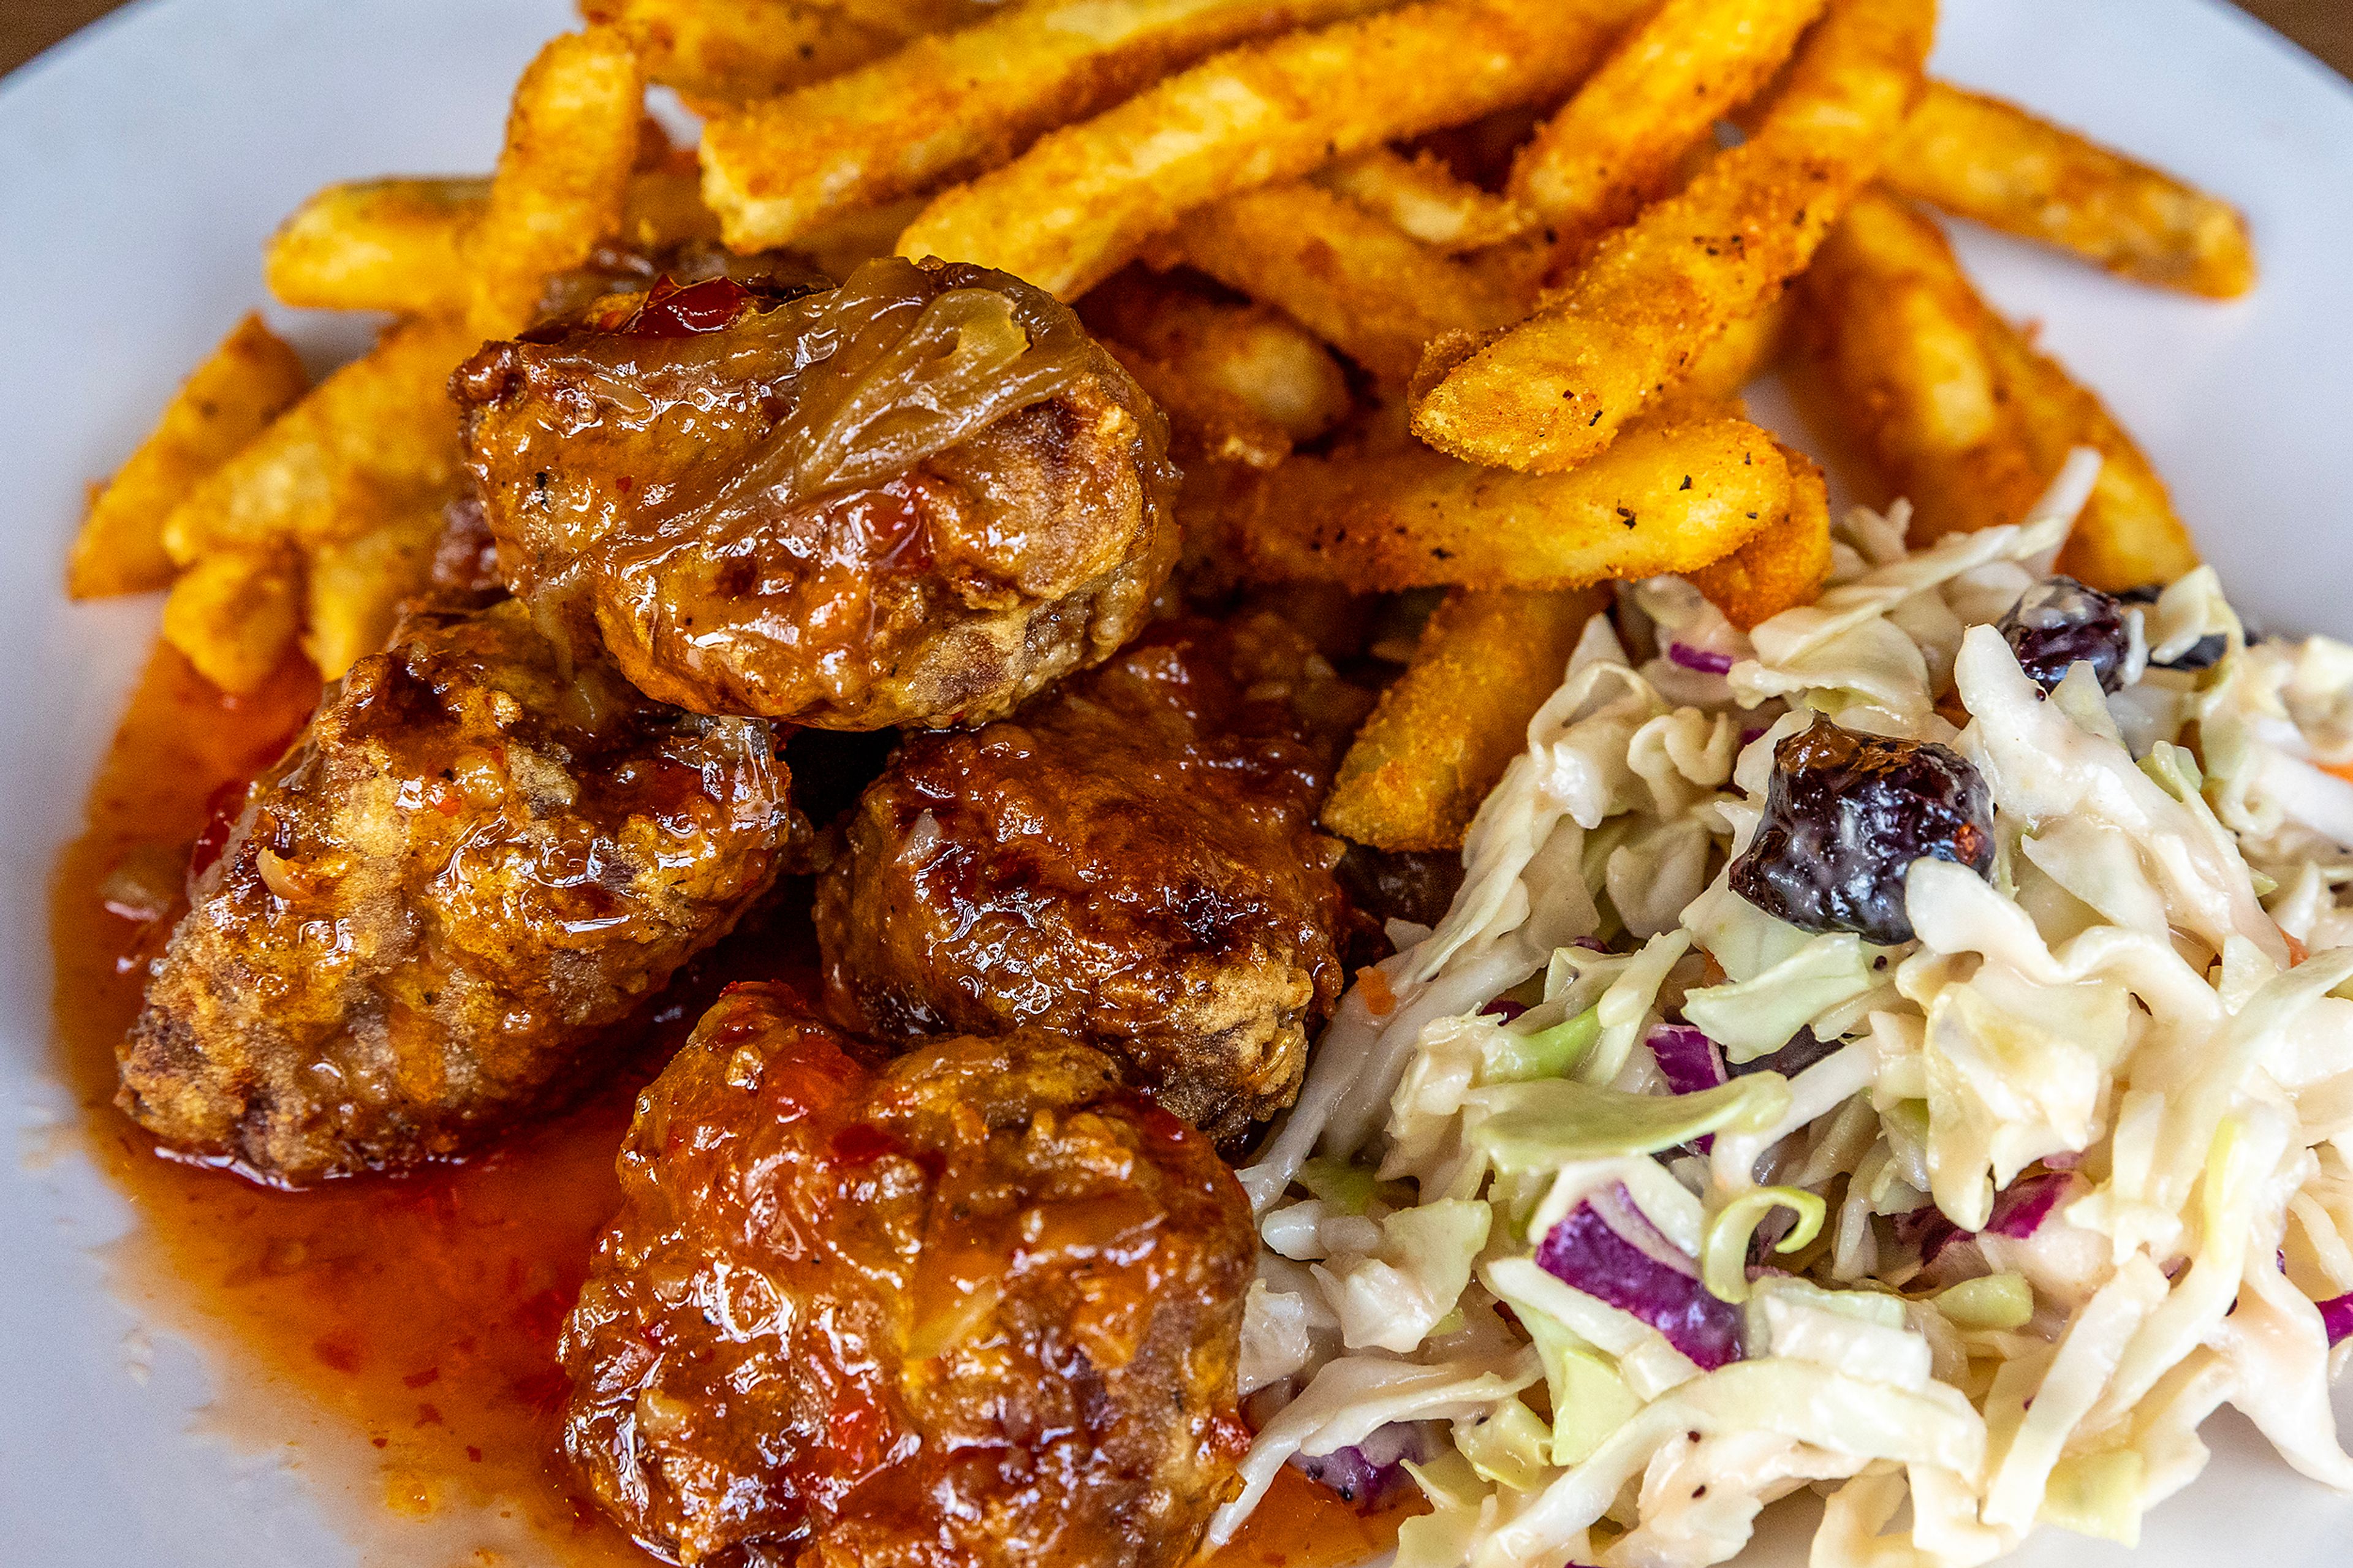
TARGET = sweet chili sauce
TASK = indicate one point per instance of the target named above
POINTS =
(406, 1325)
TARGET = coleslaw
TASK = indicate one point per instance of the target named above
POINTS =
(1616, 1208)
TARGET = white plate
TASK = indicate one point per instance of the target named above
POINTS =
(141, 165)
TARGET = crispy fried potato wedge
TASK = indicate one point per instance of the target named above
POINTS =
(722, 52)
(1896, 351)
(1957, 410)
(1373, 292)
(1423, 197)
(248, 380)
(1984, 159)
(1620, 143)
(572, 143)
(1668, 498)
(235, 616)
(1081, 202)
(1551, 391)
(1785, 565)
(2128, 534)
(945, 107)
(379, 429)
(1253, 355)
(1448, 727)
(398, 245)
(356, 588)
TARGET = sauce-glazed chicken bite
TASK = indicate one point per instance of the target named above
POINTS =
(980, 1306)
(478, 856)
(1131, 859)
(913, 500)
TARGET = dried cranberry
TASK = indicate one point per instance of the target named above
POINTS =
(1845, 817)
(2060, 622)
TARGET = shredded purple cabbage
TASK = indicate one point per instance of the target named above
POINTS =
(1688, 1058)
(1705, 660)
(2019, 1211)
(1368, 1474)
(2019, 1208)
(2337, 1317)
(1623, 1260)
(1503, 1008)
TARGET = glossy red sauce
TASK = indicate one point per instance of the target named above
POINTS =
(418, 1315)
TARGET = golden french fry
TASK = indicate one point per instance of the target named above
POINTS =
(2128, 534)
(380, 428)
(1670, 497)
(1555, 390)
(1957, 410)
(1358, 283)
(398, 245)
(945, 107)
(1782, 567)
(1896, 349)
(356, 587)
(235, 616)
(248, 380)
(723, 52)
(377, 245)
(1991, 160)
(1620, 141)
(1253, 354)
(1205, 421)
(1448, 727)
(1421, 196)
(571, 144)
(1074, 206)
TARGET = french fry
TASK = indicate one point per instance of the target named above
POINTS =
(571, 146)
(1252, 355)
(380, 428)
(723, 52)
(1081, 202)
(1205, 421)
(1959, 411)
(1421, 196)
(235, 616)
(250, 379)
(1555, 390)
(1670, 497)
(945, 107)
(1619, 144)
(1984, 159)
(2129, 534)
(1783, 566)
(398, 245)
(377, 245)
(1897, 347)
(357, 586)
(1448, 727)
(1371, 292)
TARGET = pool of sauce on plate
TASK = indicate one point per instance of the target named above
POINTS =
(417, 1316)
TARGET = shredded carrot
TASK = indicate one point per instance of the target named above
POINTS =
(1377, 995)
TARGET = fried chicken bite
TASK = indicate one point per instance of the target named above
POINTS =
(480, 853)
(1131, 859)
(915, 499)
(978, 1307)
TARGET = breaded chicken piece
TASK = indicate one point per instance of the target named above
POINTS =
(916, 498)
(480, 853)
(978, 1308)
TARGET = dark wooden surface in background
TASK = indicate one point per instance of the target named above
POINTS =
(28, 26)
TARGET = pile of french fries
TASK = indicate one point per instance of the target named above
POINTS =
(1439, 294)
